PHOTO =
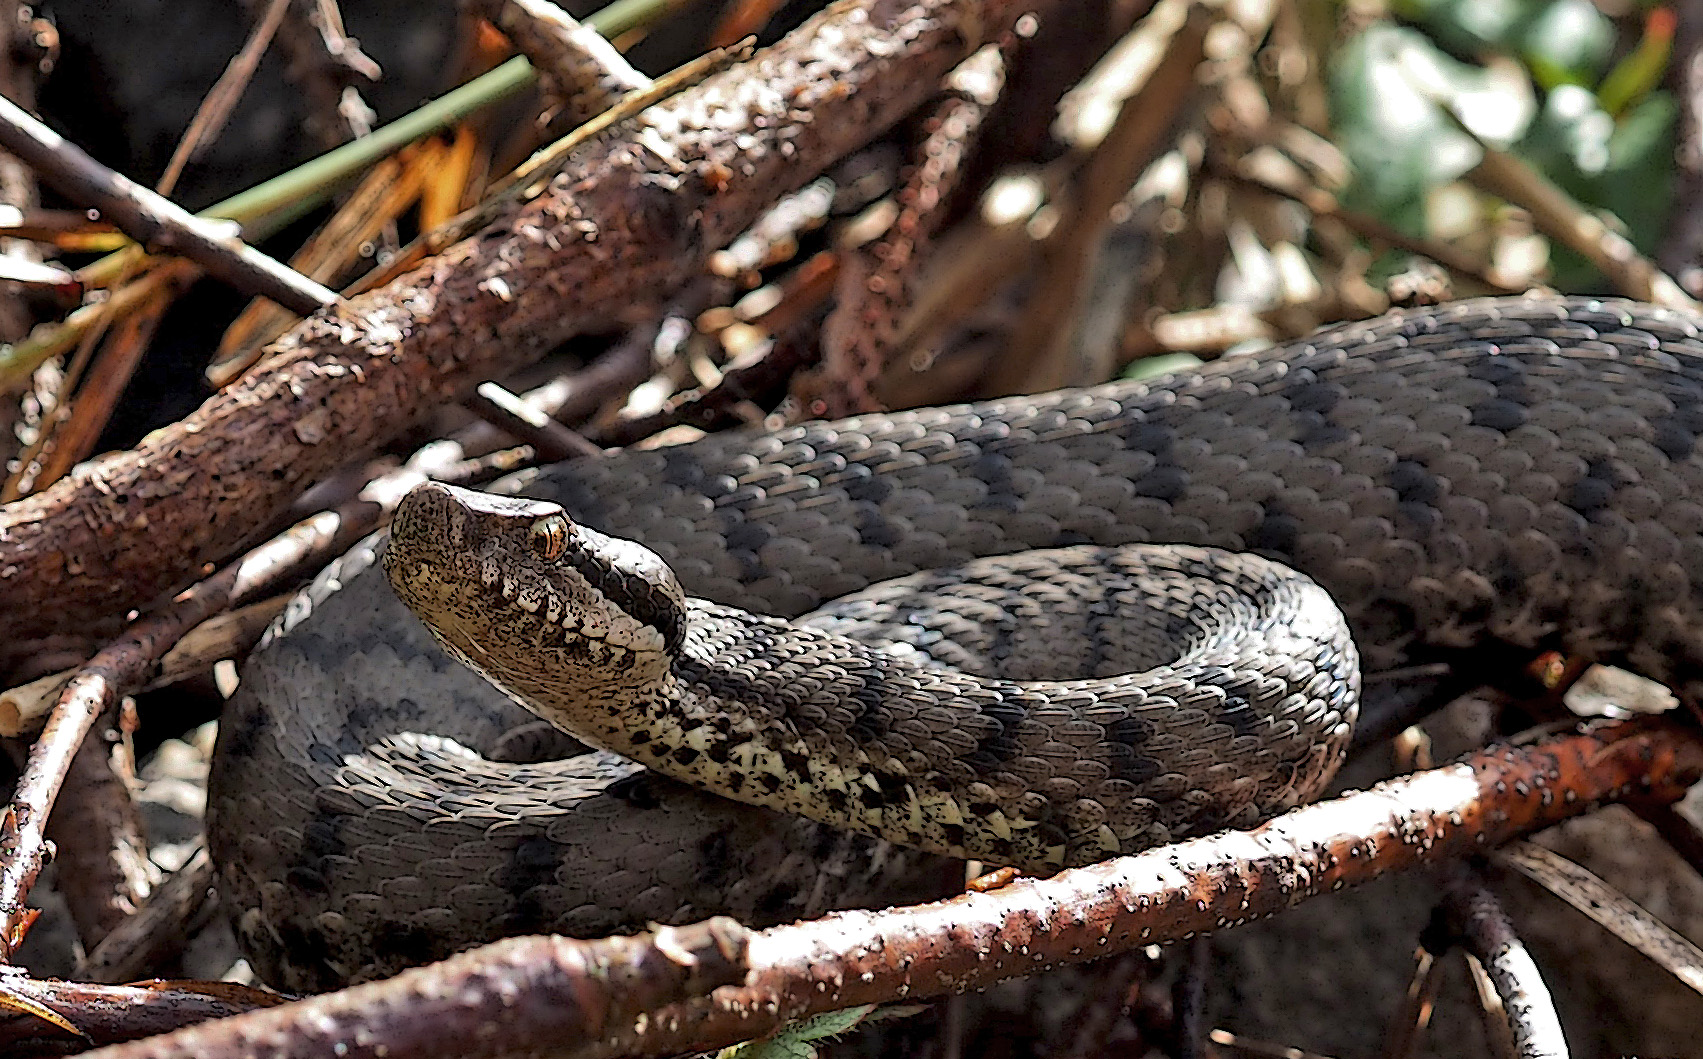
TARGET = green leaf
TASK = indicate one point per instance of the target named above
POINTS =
(797, 1040)
(1568, 42)
(1387, 86)
(1161, 364)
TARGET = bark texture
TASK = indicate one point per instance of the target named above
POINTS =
(628, 220)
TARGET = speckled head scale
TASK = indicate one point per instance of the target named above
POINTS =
(528, 552)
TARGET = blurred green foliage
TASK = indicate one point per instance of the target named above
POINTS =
(1539, 78)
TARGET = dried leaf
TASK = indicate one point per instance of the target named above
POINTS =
(1613, 910)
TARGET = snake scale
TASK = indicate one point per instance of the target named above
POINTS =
(1522, 472)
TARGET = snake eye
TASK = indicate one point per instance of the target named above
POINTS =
(549, 537)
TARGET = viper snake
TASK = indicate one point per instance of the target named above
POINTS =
(1500, 473)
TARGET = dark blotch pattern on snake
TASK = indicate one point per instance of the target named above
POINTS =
(1229, 692)
(1515, 471)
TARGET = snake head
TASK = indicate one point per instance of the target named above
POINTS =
(522, 593)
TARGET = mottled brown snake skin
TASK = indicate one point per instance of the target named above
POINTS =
(1506, 472)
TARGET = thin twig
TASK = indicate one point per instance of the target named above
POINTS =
(745, 381)
(1558, 216)
(1322, 203)
(580, 70)
(1611, 909)
(876, 280)
(158, 930)
(1527, 1018)
(151, 219)
(508, 413)
(221, 99)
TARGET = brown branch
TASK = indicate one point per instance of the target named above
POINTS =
(579, 70)
(627, 221)
(388, 189)
(523, 996)
(1557, 215)
(859, 338)
(1527, 1020)
(104, 871)
(106, 1014)
(151, 219)
(159, 929)
(969, 942)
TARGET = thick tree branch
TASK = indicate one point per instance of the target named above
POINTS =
(969, 942)
(627, 221)
(520, 997)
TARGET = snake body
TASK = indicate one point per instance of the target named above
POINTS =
(1232, 687)
(1519, 472)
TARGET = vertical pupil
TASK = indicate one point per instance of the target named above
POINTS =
(549, 537)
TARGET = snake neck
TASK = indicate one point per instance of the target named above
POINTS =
(807, 723)
(594, 635)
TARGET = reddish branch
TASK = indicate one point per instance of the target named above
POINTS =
(523, 996)
(626, 222)
(977, 939)
(861, 334)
